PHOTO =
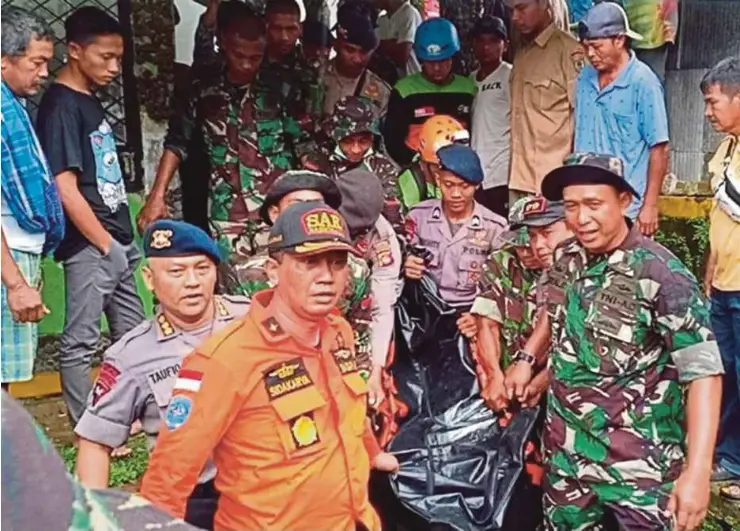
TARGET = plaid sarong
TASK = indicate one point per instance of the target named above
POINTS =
(19, 340)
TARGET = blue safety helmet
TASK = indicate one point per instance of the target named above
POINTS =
(436, 40)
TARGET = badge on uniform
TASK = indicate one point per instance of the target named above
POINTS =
(343, 356)
(409, 227)
(304, 431)
(161, 239)
(188, 380)
(107, 376)
(372, 90)
(178, 412)
(478, 237)
(383, 253)
(473, 277)
(536, 205)
(286, 377)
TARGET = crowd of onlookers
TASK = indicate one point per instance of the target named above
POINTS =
(435, 138)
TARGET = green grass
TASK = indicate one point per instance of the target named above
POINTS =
(123, 471)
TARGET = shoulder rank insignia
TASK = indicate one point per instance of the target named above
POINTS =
(165, 327)
(223, 311)
(272, 326)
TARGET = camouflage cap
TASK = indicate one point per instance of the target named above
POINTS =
(586, 168)
(515, 237)
(352, 115)
(535, 211)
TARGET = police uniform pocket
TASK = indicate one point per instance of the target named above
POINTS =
(298, 428)
(469, 271)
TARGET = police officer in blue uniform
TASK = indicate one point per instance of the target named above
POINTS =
(139, 371)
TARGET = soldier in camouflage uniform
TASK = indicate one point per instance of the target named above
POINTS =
(508, 300)
(630, 332)
(284, 68)
(354, 135)
(45, 496)
(298, 186)
(250, 140)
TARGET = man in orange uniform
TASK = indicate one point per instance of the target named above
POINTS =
(277, 399)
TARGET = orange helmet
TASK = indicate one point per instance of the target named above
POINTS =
(437, 132)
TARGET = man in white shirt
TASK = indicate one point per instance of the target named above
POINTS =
(491, 112)
(399, 33)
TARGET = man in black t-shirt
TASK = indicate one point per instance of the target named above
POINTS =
(98, 251)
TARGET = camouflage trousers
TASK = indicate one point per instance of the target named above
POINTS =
(574, 505)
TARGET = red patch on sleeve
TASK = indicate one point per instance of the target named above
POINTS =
(107, 377)
(409, 227)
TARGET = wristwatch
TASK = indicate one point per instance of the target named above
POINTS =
(526, 357)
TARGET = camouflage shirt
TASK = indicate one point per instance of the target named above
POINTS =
(508, 298)
(294, 79)
(249, 141)
(628, 329)
(355, 305)
(300, 88)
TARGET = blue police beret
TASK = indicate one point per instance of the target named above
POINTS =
(462, 161)
(169, 237)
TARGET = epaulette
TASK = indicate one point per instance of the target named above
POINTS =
(427, 204)
(209, 347)
(136, 332)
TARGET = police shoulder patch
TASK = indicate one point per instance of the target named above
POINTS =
(178, 411)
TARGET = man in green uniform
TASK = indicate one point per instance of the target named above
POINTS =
(628, 331)
(285, 68)
(354, 133)
(507, 304)
(250, 139)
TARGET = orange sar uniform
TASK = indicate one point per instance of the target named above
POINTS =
(286, 425)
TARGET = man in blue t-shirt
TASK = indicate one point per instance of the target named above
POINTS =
(98, 251)
(620, 109)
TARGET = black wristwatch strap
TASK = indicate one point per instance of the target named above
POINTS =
(526, 357)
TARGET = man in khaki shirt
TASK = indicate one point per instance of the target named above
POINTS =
(542, 95)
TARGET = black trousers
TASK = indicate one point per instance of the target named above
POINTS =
(202, 505)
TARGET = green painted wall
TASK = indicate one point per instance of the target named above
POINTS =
(53, 289)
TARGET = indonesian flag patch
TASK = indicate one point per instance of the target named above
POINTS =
(188, 380)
